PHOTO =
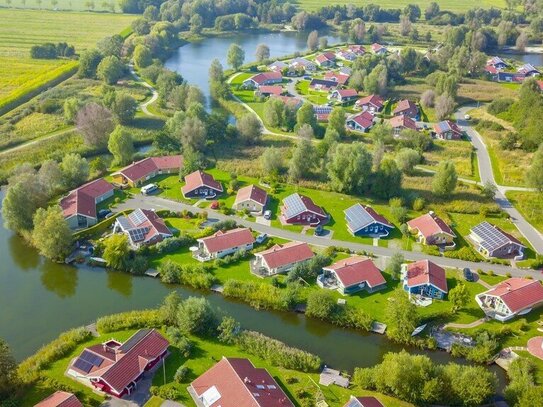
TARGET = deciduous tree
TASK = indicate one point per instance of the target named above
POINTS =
(116, 251)
(349, 168)
(313, 40)
(407, 159)
(302, 160)
(95, 123)
(88, 63)
(75, 170)
(271, 161)
(262, 52)
(249, 129)
(235, 56)
(8, 371)
(110, 70)
(195, 316)
(534, 175)
(124, 107)
(120, 144)
(459, 297)
(445, 179)
(52, 235)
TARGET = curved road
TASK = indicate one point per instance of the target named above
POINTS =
(154, 92)
(487, 175)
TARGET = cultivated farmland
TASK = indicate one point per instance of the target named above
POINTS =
(21, 29)
(452, 5)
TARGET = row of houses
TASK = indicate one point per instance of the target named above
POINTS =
(498, 70)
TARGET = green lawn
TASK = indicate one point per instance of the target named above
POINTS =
(530, 205)
(456, 6)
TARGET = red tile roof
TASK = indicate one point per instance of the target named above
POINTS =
(376, 47)
(379, 218)
(491, 69)
(429, 225)
(82, 201)
(261, 78)
(252, 193)
(199, 179)
(356, 270)
(239, 384)
(227, 240)
(424, 272)
(288, 253)
(405, 105)
(327, 56)
(289, 100)
(60, 399)
(404, 122)
(125, 364)
(338, 77)
(143, 168)
(367, 401)
(347, 93)
(374, 100)
(447, 125)
(270, 89)
(518, 293)
(364, 119)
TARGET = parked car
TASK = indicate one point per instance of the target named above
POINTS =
(214, 205)
(267, 214)
(307, 77)
(319, 230)
(102, 213)
(261, 238)
(468, 275)
(467, 117)
(109, 215)
(149, 189)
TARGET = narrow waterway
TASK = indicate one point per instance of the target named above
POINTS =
(39, 299)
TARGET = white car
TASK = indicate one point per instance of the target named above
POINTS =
(467, 117)
(261, 238)
(267, 214)
(148, 189)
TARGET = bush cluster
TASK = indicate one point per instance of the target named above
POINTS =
(263, 296)
(193, 275)
(130, 320)
(232, 259)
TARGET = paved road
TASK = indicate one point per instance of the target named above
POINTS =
(158, 203)
(487, 175)
(38, 140)
(154, 92)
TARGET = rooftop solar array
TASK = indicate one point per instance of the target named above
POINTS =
(137, 217)
(491, 238)
(133, 340)
(123, 221)
(322, 109)
(137, 235)
(358, 217)
(294, 205)
(83, 365)
(87, 360)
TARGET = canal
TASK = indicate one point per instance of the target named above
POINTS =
(39, 299)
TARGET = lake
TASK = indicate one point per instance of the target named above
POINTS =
(39, 299)
(193, 59)
(536, 59)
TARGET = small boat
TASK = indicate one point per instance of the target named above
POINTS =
(418, 330)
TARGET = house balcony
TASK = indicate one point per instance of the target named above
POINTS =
(201, 256)
(257, 269)
(327, 282)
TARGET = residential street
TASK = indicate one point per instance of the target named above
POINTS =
(158, 203)
(485, 170)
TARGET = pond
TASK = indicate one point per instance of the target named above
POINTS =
(193, 59)
(39, 299)
(536, 59)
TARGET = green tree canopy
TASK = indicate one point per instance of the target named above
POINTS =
(120, 144)
(349, 168)
(52, 235)
(235, 56)
(117, 251)
(445, 179)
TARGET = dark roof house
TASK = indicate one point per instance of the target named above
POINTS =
(363, 220)
(201, 185)
(448, 130)
(491, 241)
(300, 209)
(142, 227)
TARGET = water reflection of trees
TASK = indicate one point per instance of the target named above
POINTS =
(120, 282)
(24, 256)
(59, 279)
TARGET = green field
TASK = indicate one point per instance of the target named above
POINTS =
(21, 29)
(458, 5)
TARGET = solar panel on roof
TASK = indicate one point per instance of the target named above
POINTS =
(91, 358)
(133, 340)
(322, 109)
(83, 365)
(491, 237)
(123, 221)
(137, 217)
(294, 205)
(358, 217)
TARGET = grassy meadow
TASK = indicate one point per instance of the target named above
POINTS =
(21, 29)
(452, 5)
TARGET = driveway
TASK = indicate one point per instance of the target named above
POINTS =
(485, 170)
(158, 203)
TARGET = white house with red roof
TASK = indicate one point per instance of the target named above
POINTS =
(406, 107)
(280, 258)
(326, 59)
(277, 66)
(138, 173)
(200, 184)
(222, 244)
(448, 130)
(514, 296)
(301, 210)
(251, 198)
(363, 220)
(114, 367)
(366, 401)
(351, 275)
(236, 382)
(142, 227)
(339, 77)
(269, 90)
(346, 54)
(263, 78)
(362, 122)
(400, 123)
(528, 70)
(79, 206)
(430, 229)
(378, 49)
(370, 103)
(425, 278)
(303, 64)
(497, 63)
(343, 95)
(491, 241)
(60, 399)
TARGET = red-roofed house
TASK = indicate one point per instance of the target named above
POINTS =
(143, 227)
(292, 102)
(60, 399)
(251, 198)
(201, 185)
(114, 367)
(269, 90)
(405, 107)
(491, 241)
(448, 130)
(280, 258)
(263, 78)
(236, 382)
(360, 122)
(378, 49)
(301, 210)
(140, 171)
(326, 59)
(343, 95)
(79, 206)
(371, 103)
(515, 296)
(222, 244)
(367, 401)
(430, 229)
(340, 78)
(399, 123)
(424, 278)
(351, 275)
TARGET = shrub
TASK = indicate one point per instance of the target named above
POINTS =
(193, 275)
(501, 105)
(172, 244)
(464, 253)
(130, 320)
(181, 374)
(262, 295)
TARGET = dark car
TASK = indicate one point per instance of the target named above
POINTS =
(102, 213)
(319, 230)
(468, 275)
